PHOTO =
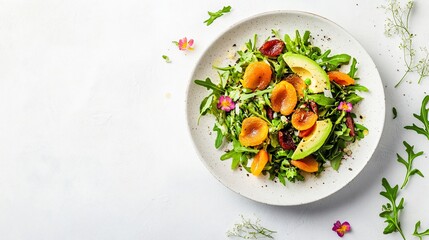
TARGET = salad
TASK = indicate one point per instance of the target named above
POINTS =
(284, 108)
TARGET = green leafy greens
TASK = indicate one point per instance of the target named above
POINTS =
(257, 103)
(214, 15)
(423, 117)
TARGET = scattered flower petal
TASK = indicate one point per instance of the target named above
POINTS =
(225, 103)
(184, 44)
(345, 106)
(341, 228)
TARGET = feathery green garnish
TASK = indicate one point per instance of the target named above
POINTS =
(397, 24)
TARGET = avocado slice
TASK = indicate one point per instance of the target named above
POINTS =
(314, 141)
(307, 68)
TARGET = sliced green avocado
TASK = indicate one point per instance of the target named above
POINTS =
(307, 68)
(313, 142)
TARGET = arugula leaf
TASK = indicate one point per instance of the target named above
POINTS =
(391, 210)
(353, 69)
(333, 62)
(423, 117)
(275, 32)
(239, 155)
(409, 163)
(321, 99)
(353, 98)
(206, 104)
(420, 234)
(215, 15)
(357, 87)
(336, 160)
(210, 85)
(219, 136)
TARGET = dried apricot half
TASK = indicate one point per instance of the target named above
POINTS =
(259, 162)
(254, 131)
(307, 164)
(257, 76)
(283, 98)
(303, 119)
(297, 83)
(341, 78)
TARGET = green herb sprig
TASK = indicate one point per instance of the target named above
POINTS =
(391, 210)
(248, 229)
(409, 163)
(218, 14)
(423, 117)
(420, 234)
(397, 24)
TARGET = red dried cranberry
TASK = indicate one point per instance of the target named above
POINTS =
(314, 107)
(350, 124)
(286, 141)
(270, 112)
(272, 48)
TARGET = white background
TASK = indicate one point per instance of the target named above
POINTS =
(93, 132)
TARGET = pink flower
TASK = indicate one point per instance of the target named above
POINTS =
(341, 228)
(184, 44)
(345, 106)
(225, 103)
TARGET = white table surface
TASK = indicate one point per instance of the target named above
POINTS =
(93, 132)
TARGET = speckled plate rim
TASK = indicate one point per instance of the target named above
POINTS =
(288, 202)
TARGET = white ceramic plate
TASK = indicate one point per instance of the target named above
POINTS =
(327, 35)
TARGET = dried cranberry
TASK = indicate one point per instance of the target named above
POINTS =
(286, 141)
(270, 112)
(314, 107)
(350, 124)
(272, 48)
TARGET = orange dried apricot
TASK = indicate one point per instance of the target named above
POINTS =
(341, 78)
(254, 131)
(303, 119)
(259, 162)
(283, 98)
(307, 164)
(257, 76)
(307, 132)
(297, 83)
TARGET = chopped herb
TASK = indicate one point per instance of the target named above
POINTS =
(215, 15)
(166, 58)
(395, 113)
